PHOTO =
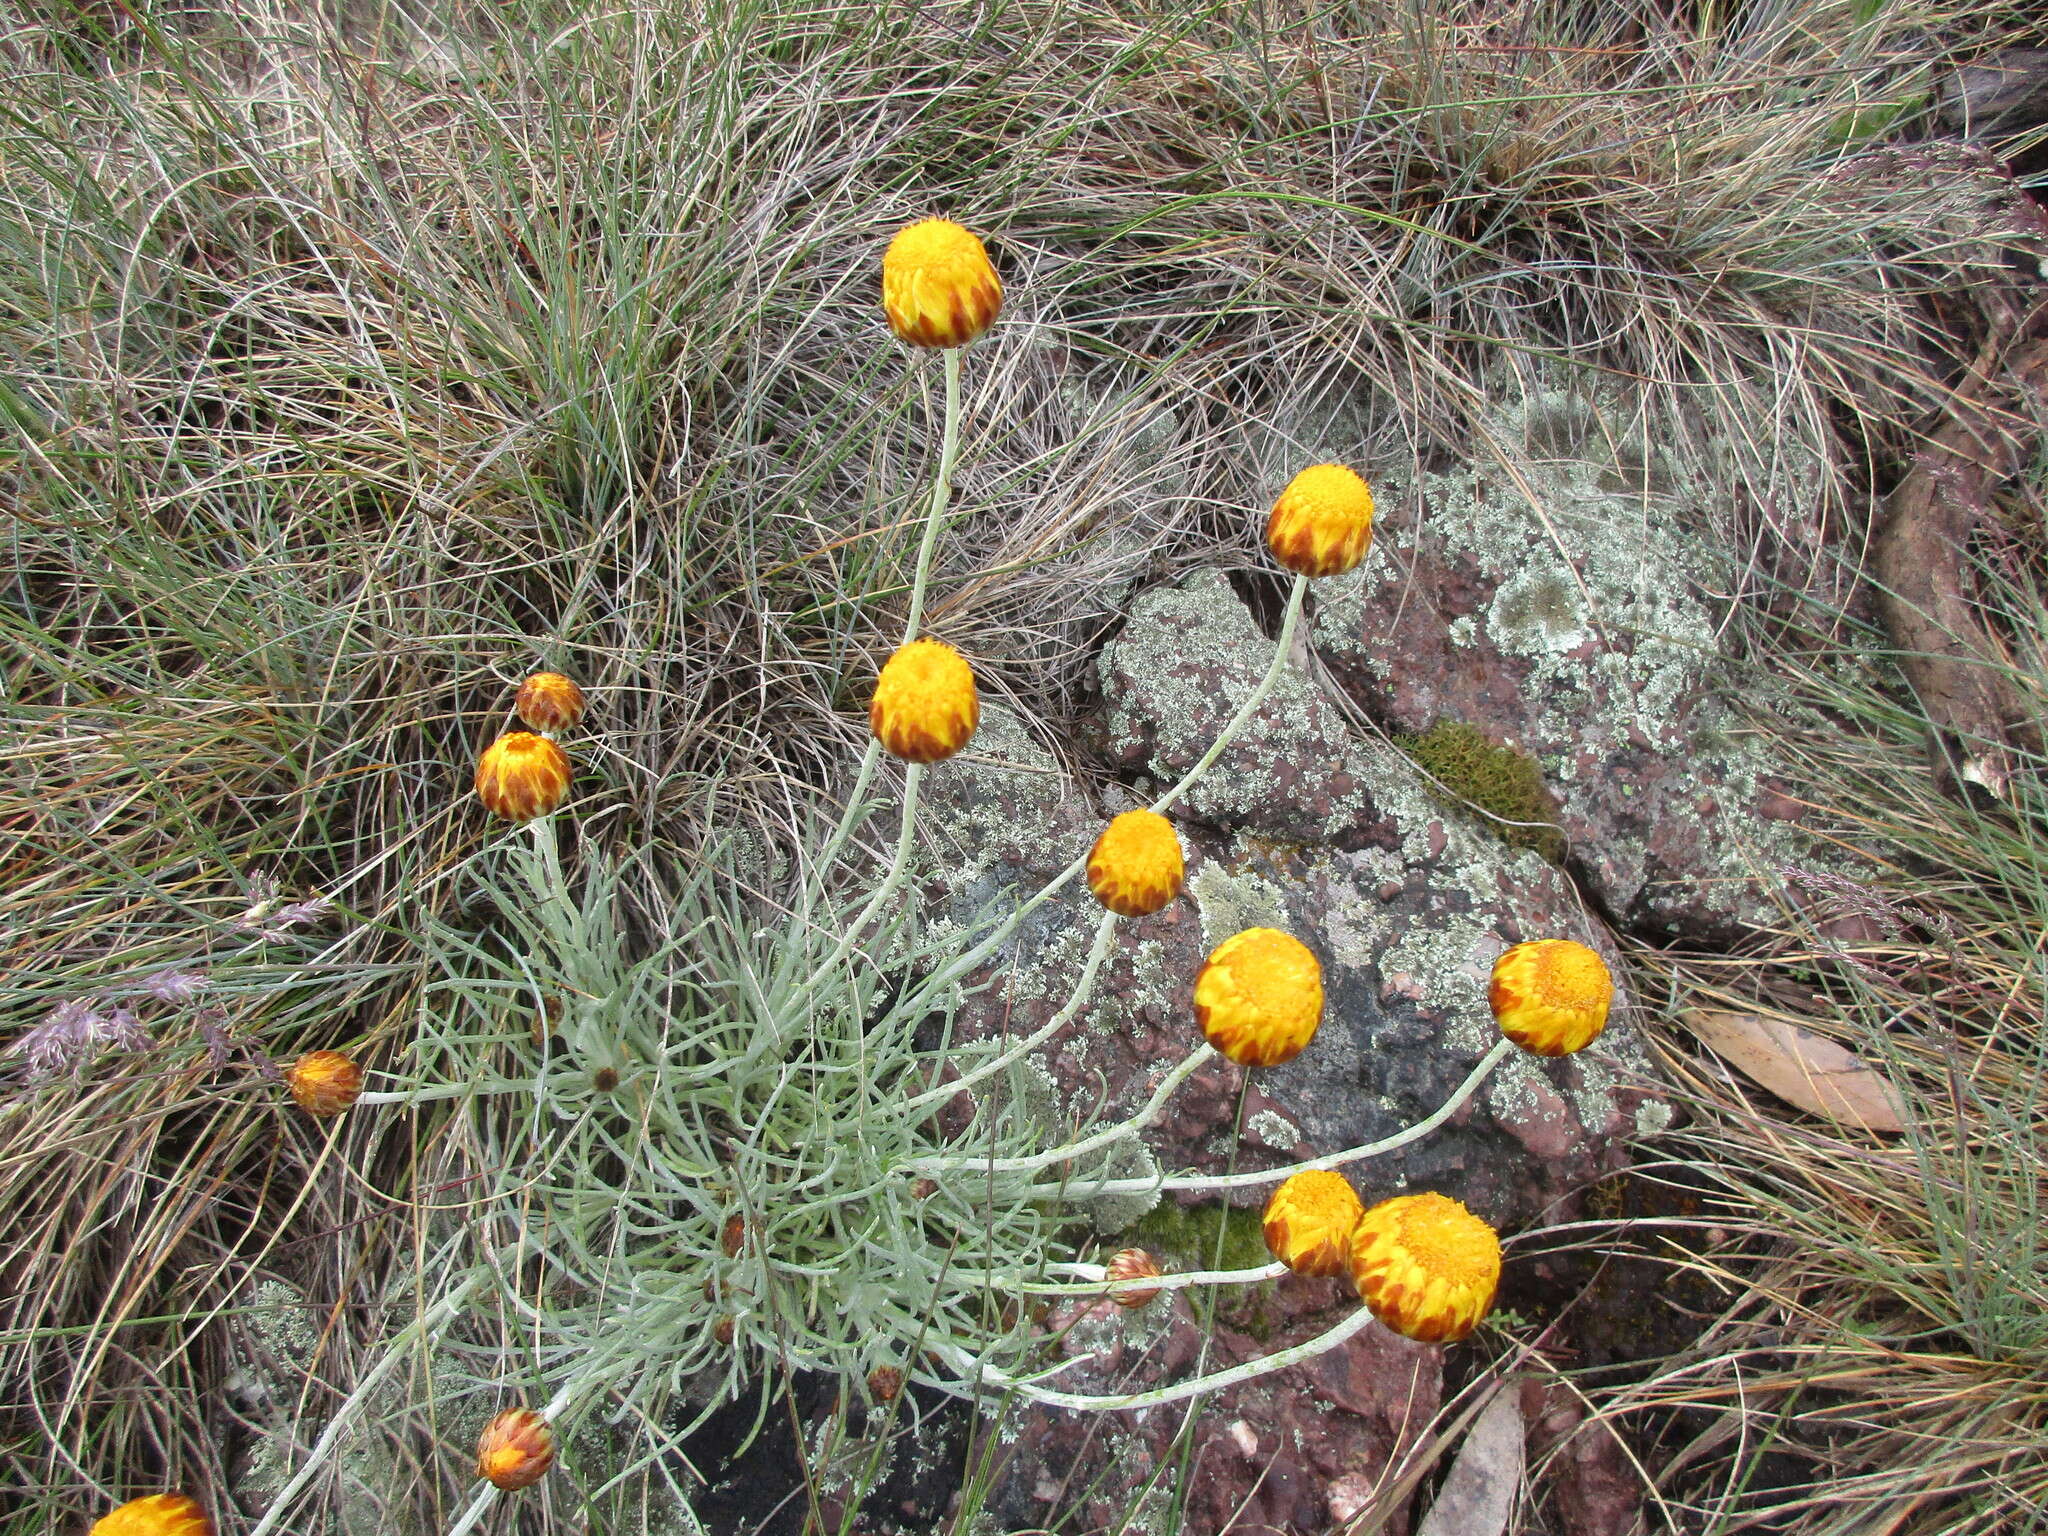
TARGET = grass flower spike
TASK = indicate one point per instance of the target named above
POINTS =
(521, 776)
(1309, 1222)
(1135, 867)
(161, 1514)
(1550, 996)
(548, 701)
(516, 1449)
(938, 288)
(925, 705)
(1322, 523)
(1132, 1264)
(1259, 997)
(324, 1082)
(1427, 1267)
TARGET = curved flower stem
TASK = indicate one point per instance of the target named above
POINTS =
(1038, 1037)
(1144, 1117)
(1083, 1190)
(1093, 1280)
(942, 491)
(1281, 646)
(886, 889)
(427, 1323)
(1250, 1370)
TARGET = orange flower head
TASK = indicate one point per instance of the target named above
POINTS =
(1259, 997)
(925, 705)
(1132, 1264)
(521, 776)
(1426, 1266)
(161, 1514)
(1550, 996)
(938, 288)
(1322, 523)
(516, 1449)
(548, 701)
(1135, 867)
(1309, 1222)
(324, 1082)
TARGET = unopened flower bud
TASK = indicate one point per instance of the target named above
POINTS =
(938, 288)
(1550, 996)
(734, 1237)
(160, 1514)
(1132, 1264)
(1309, 1222)
(925, 706)
(516, 1449)
(1427, 1267)
(548, 701)
(324, 1082)
(1135, 867)
(1259, 997)
(884, 1382)
(724, 1329)
(521, 776)
(1322, 523)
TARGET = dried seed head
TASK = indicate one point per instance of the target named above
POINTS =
(1550, 996)
(516, 1449)
(1259, 997)
(925, 706)
(548, 701)
(324, 1082)
(734, 1237)
(1132, 1264)
(938, 288)
(924, 1189)
(160, 1514)
(724, 1329)
(521, 776)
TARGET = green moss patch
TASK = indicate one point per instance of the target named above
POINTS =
(1504, 786)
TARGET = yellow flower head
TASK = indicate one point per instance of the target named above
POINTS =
(516, 1449)
(1322, 522)
(548, 701)
(521, 776)
(161, 1514)
(324, 1082)
(938, 288)
(1135, 867)
(1309, 1222)
(925, 705)
(1132, 1264)
(1259, 997)
(1426, 1266)
(1550, 996)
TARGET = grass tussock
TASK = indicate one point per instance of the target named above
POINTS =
(356, 365)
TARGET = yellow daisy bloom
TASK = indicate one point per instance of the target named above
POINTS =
(516, 1449)
(1309, 1222)
(324, 1082)
(925, 705)
(161, 1514)
(1322, 523)
(938, 288)
(1550, 996)
(521, 776)
(1427, 1267)
(548, 701)
(1135, 867)
(1259, 997)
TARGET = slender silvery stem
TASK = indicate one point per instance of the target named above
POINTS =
(1215, 1381)
(1281, 646)
(890, 881)
(1080, 1189)
(1119, 1132)
(1038, 1037)
(1093, 1280)
(942, 491)
(427, 1323)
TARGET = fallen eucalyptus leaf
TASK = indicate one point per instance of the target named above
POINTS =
(1802, 1068)
(1479, 1491)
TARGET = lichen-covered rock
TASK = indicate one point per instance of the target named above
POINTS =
(1267, 1452)
(1563, 612)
